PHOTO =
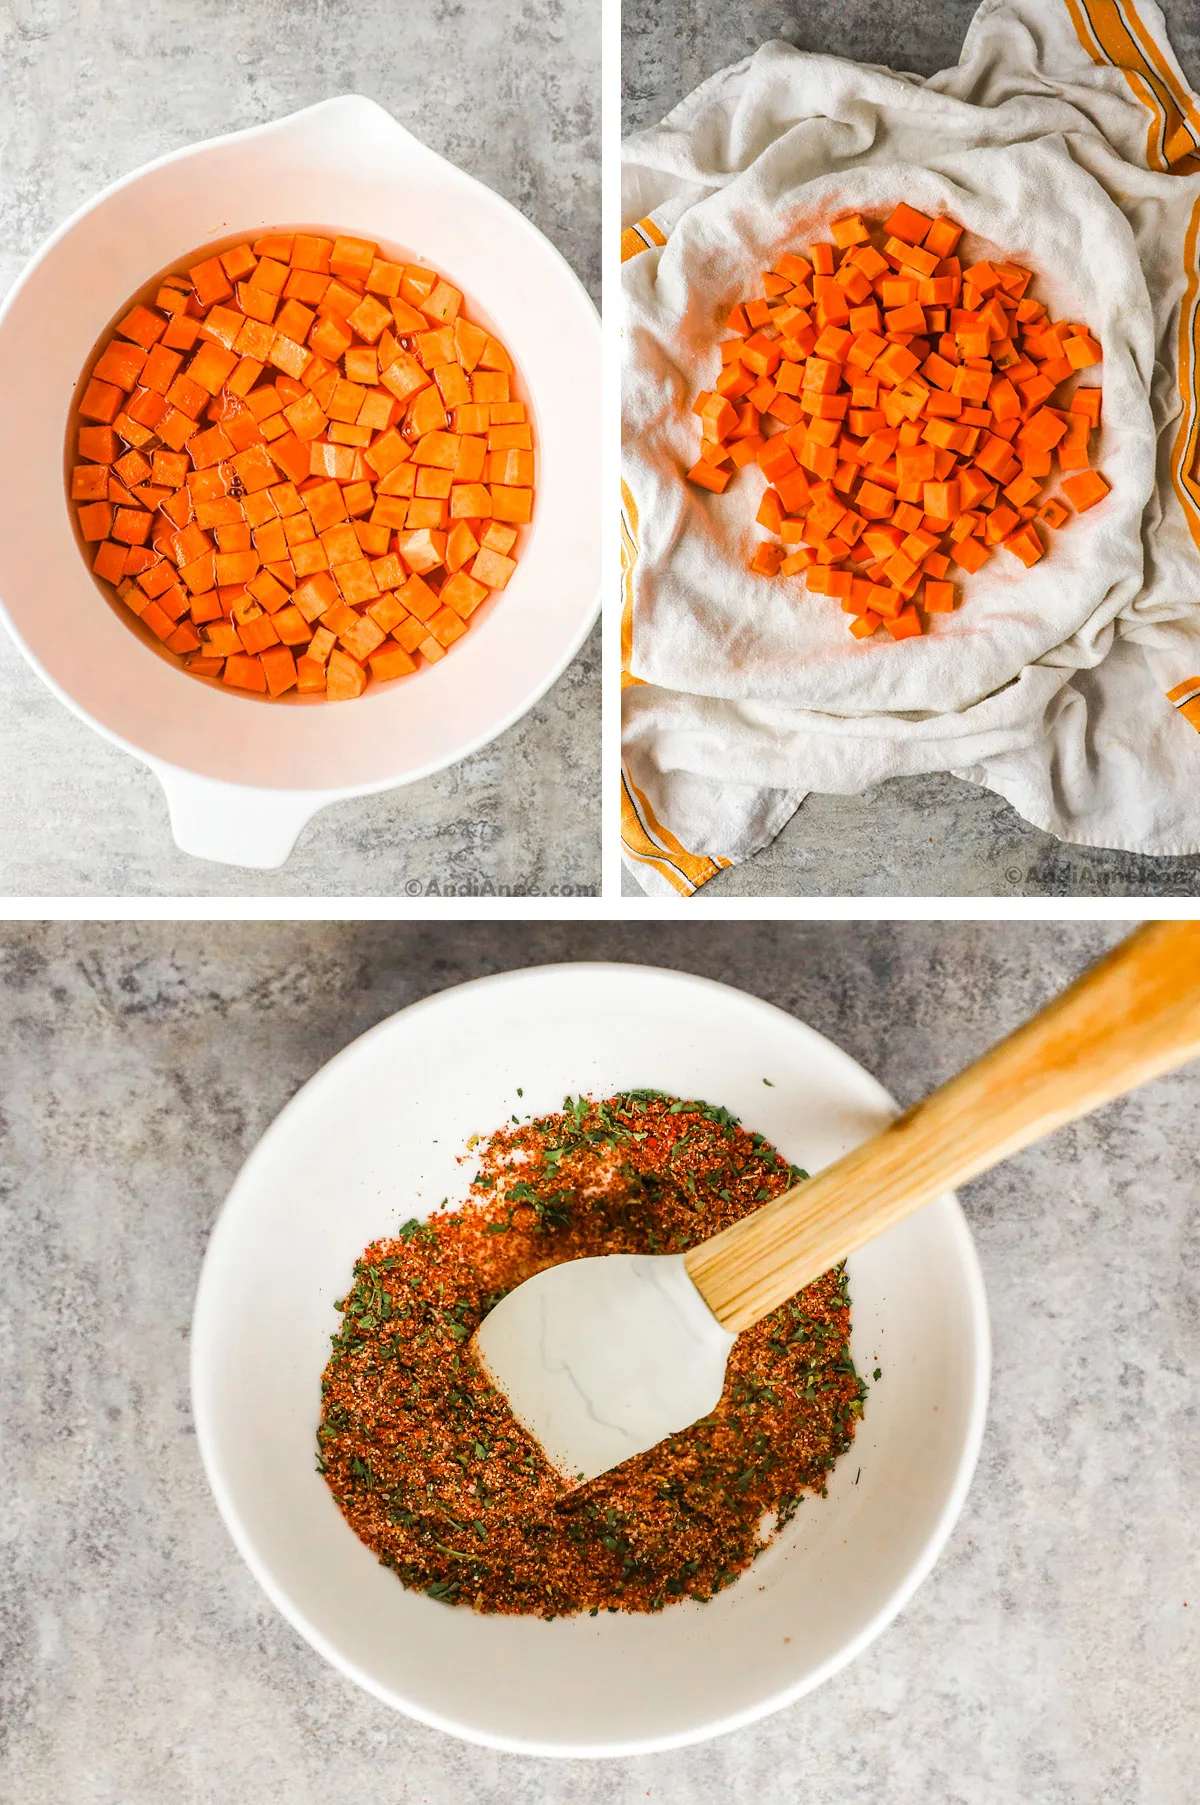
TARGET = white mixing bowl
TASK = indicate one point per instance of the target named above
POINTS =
(376, 1137)
(242, 777)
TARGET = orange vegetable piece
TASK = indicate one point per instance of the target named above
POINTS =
(906, 224)
(244, 672)
(905, 625)
(1025, 544)
(279, 668)
(345, 677)
(971, 554)
(767, 559)
(1087, 402)
(1085, 490)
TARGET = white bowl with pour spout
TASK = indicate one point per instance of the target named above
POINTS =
(384, 1133)
(243, 776)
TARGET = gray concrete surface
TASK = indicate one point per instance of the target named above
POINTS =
(935, 836)
(917, 836)
(510, 92)
(1052, 1656)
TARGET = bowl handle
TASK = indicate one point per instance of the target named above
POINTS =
(232, 824)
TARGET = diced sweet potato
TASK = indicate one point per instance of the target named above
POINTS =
(341, 431)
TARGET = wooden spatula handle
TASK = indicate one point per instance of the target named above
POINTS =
(1130, 1017)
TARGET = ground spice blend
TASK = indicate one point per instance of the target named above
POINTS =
(435, 1474)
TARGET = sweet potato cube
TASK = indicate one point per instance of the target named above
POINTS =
(362, 637)
(356, 582)
(463, 594)
(461, 546)
(421, 512)
(326, 505)
(131, 526)
(89, 482)
(1042, 431)
(1081, 352)
(492, 568)
(310, 252)
(244, 671)
(235, 567)
(256, 633)
(95, 520)
(316, 595)
(418, 598)
(369, 319)
(515, 505)
(101, 401)
(1087, 402)
(513, 469)
(906, 625)
(279, 667)
(183, 640)
(905, 223)
(210, 282)
(344, 677)
(305, 418)
(404, 377)
(109, 562)
(143, 326)
(971, 554)
(1025, 544)
(268, 591)
(387, 452)
(391, 660)
(288, 356)
(330, 338)
(437, 448)
(238, 262)
(208, 448)
(258, 304)
(291, 626)
(939, 597)
(121, 364)
(446, 626)
(384, 278)
(99, 443)
(210, 367)
(341, 544)
(353, 258)
(255, 467)
(1085, 490)
(426, 414)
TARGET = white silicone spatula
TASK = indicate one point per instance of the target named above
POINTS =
(602, 1358)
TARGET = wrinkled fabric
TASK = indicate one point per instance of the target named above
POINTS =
(1046, 685)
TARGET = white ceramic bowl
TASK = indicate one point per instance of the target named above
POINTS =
(376, 1137)
(242, 777)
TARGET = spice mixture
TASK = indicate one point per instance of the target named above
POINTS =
(434, 1473)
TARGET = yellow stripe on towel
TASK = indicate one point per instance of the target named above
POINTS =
(629, 557)
(1084, 18)
(1116, 35)
(647, 840)
(1186, 698)
(641, 237)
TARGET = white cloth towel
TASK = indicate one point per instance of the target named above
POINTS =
(1067, 140)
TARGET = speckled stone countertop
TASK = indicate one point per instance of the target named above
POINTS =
(1051, 1658)
(509, 91)
(912, 836)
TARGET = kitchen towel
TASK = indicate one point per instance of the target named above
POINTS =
(1067, 140)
